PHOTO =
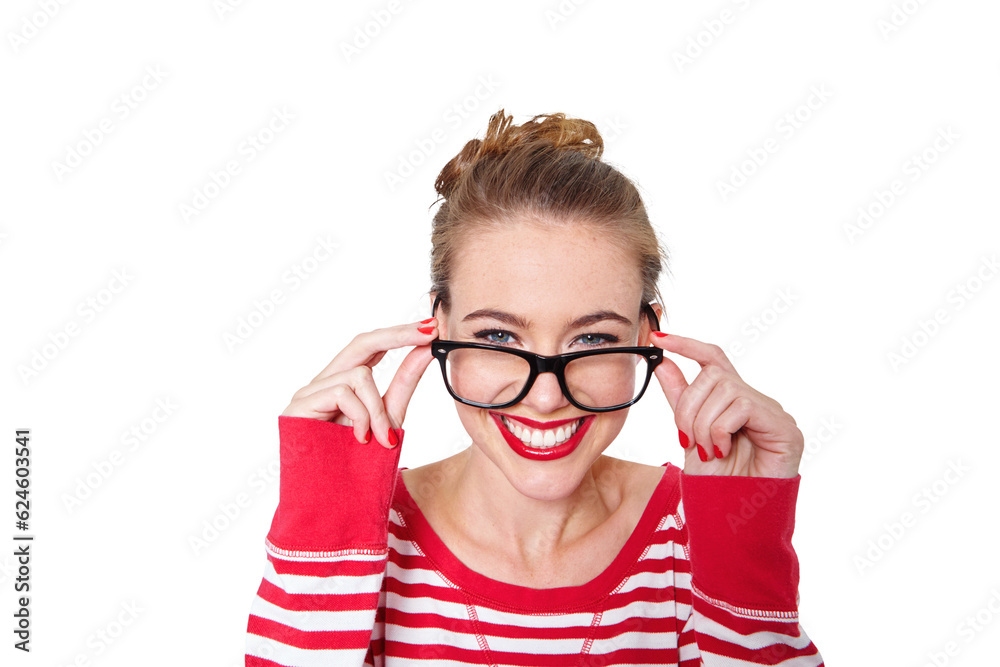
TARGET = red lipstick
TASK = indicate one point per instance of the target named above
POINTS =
(534, 453)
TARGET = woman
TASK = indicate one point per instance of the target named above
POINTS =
(532, 547)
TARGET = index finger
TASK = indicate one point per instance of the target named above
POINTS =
(366, 349)
(705, 354)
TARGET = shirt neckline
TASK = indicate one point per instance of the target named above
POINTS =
(539, 600)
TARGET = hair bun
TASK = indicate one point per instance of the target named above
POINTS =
(502, 136)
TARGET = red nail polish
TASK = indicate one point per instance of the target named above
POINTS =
(368, 436)
(701, 453)
(392, 438)
(683, 439)
(660, 334)
(718, 452)
(429, 319)
(425, 330)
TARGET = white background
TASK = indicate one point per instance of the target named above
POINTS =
(893, 76)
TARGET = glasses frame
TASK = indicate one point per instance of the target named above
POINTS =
(556, 364)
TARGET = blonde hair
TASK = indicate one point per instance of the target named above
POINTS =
(548, 170)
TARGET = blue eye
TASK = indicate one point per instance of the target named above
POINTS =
(496, 337)
(501, 337)
(593, 339)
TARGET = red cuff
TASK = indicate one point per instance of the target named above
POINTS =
(334, 492)
(740, 539)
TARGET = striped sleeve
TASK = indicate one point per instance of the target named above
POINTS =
(326, 549)
(744, 573)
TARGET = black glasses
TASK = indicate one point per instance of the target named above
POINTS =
(601, 380)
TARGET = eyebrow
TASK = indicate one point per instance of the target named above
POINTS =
(520, 322)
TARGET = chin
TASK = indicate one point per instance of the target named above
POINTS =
(542, 486)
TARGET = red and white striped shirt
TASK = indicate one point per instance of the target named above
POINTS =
(356, 576)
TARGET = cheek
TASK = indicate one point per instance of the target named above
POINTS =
(609, 425)
(477, 422)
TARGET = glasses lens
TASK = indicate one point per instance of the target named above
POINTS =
(606, 380)
(491, 377)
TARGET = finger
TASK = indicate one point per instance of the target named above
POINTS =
(671, 380)
(404, 383)
(732, 419)
(366, 349)
(324, 384)
(366, 390)
(709, 432)
(350, 377)
(690, 403)
(338, 404)
(705, 354)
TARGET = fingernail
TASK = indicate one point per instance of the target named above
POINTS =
(683, 439)
(660, 334)
(701, 453)
(425, 330)
(392, 438)
(718, 452)
(428, 320)
(368, 436)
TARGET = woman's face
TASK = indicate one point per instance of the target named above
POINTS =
(547, 290)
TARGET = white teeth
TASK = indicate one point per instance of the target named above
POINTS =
(541, 439)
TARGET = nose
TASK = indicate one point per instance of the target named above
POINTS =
(545, 395)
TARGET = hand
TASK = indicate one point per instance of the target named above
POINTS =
(730, 428)
(345, 392)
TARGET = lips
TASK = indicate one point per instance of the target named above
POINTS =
(572, 430)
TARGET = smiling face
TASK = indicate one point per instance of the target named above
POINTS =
(547, 289)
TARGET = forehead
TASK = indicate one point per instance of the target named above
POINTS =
(532, 268)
